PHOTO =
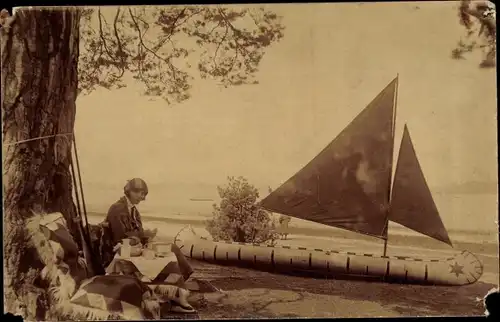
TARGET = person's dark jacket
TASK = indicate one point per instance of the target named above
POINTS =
(120, 222)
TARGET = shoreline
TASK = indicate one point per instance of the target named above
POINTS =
(481, 246)
(296, 223)
(346, 241)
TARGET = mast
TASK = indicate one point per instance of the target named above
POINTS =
(386, 232)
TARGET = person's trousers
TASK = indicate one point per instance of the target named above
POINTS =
(184, 265)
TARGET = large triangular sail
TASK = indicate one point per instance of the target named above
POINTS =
(347, 185)
(412, 204)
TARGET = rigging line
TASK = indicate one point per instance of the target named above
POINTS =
(38, 138)
(81, 187)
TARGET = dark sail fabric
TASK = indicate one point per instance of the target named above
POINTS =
(412, 204)
(348, 184)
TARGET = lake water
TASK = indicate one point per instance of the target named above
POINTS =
(466, 216)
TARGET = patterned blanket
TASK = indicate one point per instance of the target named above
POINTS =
(124, 296)
(120, 294)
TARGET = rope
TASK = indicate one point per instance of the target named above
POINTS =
(79, 210)
(75, 185)
(38, 138)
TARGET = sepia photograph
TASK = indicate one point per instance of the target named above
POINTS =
(286, 160)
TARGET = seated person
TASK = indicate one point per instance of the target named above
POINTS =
(124, 221)
(123, 217)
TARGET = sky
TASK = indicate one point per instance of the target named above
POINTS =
(333, 60)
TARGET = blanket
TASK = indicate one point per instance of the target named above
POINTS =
(119, 295)
(75, 296)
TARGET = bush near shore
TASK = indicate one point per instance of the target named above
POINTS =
(238, 217)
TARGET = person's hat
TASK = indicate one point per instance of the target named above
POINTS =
(136, 184)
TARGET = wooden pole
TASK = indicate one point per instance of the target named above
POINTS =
(395, 106)
(87, 254)
(93, 263)
(84, 214)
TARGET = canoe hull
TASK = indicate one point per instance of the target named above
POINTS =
(461, 269)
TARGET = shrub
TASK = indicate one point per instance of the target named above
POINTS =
(238, 217)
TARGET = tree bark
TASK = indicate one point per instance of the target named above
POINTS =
(40, 49)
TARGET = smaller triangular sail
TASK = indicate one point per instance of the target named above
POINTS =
(347, 184)
(412, 204)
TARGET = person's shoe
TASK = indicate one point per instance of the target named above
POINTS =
(182, 298)
(179, 308)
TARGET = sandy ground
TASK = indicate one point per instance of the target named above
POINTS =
(247, 293)
(252, 294)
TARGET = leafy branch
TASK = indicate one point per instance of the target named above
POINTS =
(156, 45)
(483, 12)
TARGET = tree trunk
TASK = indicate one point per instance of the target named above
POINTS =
(39, 86)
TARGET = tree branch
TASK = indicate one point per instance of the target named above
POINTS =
(174, 26)
(119, 51)
(219, 44)
(484, 12)
(153, 59)
(140, 47)
(166, 60)
(101, 34)
(236, 32)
